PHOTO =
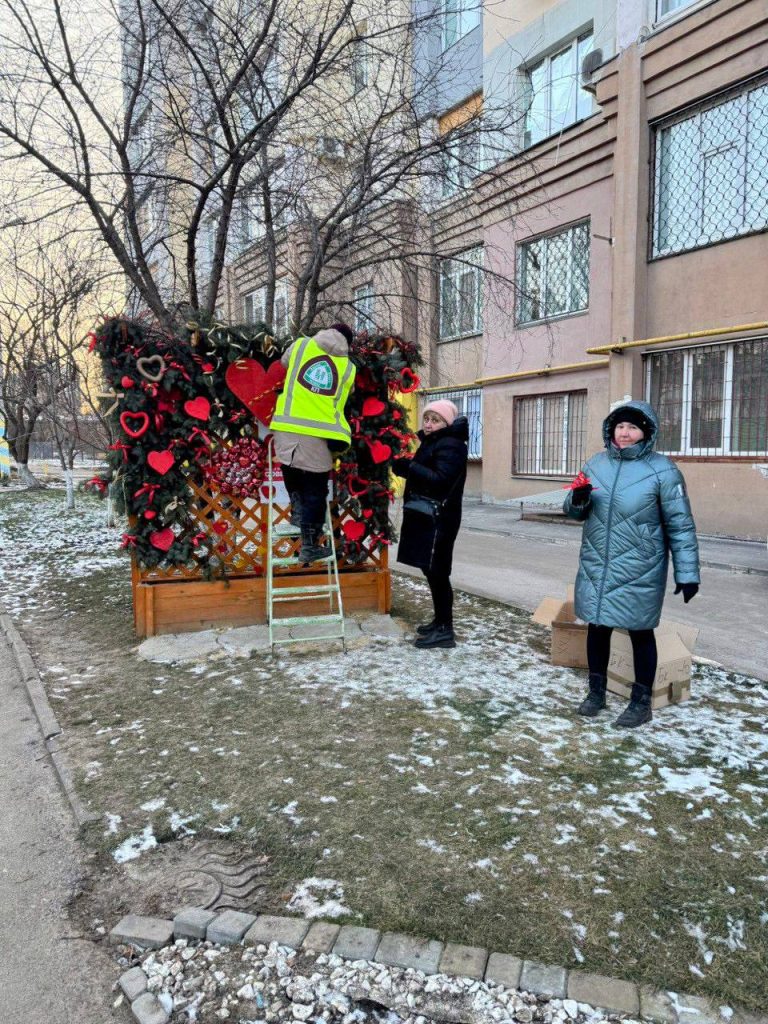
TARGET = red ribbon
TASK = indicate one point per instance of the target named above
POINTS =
(149, 489)
(129, 541)
(121, 446)
(202, 433)
(198, 538)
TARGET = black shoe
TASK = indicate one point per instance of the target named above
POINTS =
(426, 628)
(638, 711)
(312, 550)
(441, 636)
(595, 700)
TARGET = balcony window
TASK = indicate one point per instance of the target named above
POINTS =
(459, 18)
(555, 98)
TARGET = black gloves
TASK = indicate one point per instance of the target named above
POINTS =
(400, 466)
(580, 495)
(689, 590)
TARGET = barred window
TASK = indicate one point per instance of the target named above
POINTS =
(711, 399)
(459, 18)
(711, 173)
(553, 275)
(550, 434)
(364, 302)
(469, 402)
(554, 97)
(461, 295)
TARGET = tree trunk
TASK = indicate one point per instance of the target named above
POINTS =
(28, 478)
(69, 481)
(111, 521)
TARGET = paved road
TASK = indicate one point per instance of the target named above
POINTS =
(500, 556)
(47, 975)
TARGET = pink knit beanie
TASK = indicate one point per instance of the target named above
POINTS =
(443, 408)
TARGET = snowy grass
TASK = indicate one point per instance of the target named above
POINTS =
(446, 793)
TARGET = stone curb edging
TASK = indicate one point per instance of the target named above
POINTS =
(46, 719)
(353, 942)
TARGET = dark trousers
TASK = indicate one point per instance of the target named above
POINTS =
(442, 595)
(312, 489)
(643, 651)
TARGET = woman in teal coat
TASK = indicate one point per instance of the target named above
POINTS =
(635, 511)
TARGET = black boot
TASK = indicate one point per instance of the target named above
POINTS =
(295, 498)
(638, 711)
(441, 636)
(426, 628)
(595, 700)
(312, 550)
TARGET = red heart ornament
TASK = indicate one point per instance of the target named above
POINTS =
(357, 486)
(367, 513)
(162, 539)
(150, 513)
(127, 382)
(199, 408)
(140, 417)
(353, 529)
(161, 462)
(373, 407)
(255, 387)
(380, 452)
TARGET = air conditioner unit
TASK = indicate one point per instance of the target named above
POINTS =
(589, 66)
(330, 148)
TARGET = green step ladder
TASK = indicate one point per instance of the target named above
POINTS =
(330, 625)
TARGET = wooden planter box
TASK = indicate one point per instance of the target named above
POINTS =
(180, 600)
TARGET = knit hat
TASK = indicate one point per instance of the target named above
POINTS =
(628, 414)
(345, 330)
(443, 408)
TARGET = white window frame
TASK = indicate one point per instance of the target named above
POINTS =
(699, 163)
(460, 399)
(539, 438)
(467, 15)
(364, 302)
(724, 448)
(257, 298)
(544, 272)
(453, 268)
(571, 115)
(681, 5)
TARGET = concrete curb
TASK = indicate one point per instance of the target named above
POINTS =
(46, 719)
(354, 943)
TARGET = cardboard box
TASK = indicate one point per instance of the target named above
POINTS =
(675, 642)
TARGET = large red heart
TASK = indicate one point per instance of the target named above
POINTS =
(255, 386)
(353, 529)
(373, 407)
(199, 408)
(141, 418)
(162, 539)
(161, 462)
(380, 452)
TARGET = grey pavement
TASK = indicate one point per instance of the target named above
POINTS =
(520, 561)
(49, 972)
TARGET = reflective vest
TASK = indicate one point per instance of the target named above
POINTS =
(316, 389)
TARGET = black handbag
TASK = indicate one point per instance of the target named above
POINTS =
(430, 507)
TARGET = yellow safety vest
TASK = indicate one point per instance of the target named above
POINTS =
(316, 389)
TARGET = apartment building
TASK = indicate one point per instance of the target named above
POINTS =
(617, 242)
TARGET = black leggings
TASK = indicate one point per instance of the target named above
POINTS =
(643, 650)
(313, 489)
(442, 595)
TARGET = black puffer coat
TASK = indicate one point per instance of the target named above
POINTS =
(437, 470)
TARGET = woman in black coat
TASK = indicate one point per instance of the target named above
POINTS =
(434, 480)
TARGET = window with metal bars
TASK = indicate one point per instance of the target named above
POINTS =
(553, 275)
(461, 295)
(711, 172)
(469, 402)
(711, 399)
(550, 434)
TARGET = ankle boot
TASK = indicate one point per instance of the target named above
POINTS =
(595, 700)
(312, 550)
(441, 636)
(638, 711)
(427, 627)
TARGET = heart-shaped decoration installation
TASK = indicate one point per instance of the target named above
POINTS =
(161, 462)
(141, 420)
(357, 486)
(409, 380)
(162, 539)
(373, 407)
(198, 408)
(380, 452)
(255, 387)
(353, 529)
(144, 364)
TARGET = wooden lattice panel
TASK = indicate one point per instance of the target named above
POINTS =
(242, 546)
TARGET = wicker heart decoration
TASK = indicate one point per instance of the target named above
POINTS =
(145, 362)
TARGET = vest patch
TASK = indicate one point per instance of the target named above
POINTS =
(319, 375)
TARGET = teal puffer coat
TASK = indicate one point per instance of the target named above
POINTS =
(636, 515)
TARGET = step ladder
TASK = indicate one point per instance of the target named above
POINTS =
(330, 624)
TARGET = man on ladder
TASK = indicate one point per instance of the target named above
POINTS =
(309, 424)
